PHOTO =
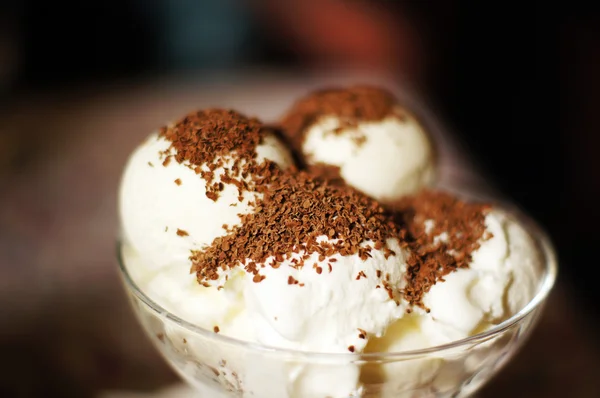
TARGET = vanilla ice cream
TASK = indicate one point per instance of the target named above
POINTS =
(221, 229)
(500, 280)
(502, 275)
(377, 146)
(164, 207)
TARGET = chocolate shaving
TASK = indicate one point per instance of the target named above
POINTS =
(326, 172)
(205, 139)
(205, 136)
(295, 211)
(442, 234)
(350, 105)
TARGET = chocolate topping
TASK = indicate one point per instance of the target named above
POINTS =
(351, 105)
(206, 135)
(326, 172)
(294, 212)
(207, 138)
(442, 234)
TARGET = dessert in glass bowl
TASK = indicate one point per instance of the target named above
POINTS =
(318, 258)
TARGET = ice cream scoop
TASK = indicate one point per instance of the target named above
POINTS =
(474, 266)
(375, 144)
(181, 186)
(222, 230)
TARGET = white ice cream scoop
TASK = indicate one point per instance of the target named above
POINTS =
(386, 159)
(165, 212)
(379, 147)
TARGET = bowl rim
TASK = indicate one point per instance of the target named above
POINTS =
(547, 282)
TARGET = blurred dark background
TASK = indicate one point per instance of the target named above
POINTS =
(518, 83)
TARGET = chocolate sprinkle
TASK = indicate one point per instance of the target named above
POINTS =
(206, 138)
(327, 172)
(295, 211)
(206, 135)
(431, 256)
(350, 105)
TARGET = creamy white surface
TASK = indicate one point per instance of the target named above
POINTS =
(395, 158)
(501, 280)
(325, 314)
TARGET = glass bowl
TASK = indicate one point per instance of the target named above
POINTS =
(220, 366)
